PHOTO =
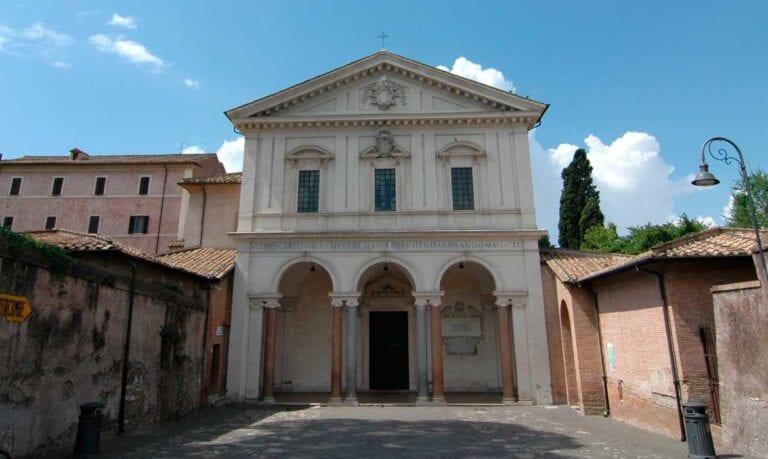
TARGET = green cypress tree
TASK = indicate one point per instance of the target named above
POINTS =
(579, 202)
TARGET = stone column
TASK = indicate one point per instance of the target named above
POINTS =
(270, 330)
(351, 304)
(438, 387)
(421, 346)
(522, 361)
(505, 351)
(336, 354)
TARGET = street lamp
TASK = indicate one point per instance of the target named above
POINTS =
(705, 178)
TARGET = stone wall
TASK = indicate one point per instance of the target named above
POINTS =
(741, 315)
(69, 350)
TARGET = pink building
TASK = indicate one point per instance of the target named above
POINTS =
(133, 199)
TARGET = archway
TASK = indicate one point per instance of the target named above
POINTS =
(303, 330)
(569, 359)
(387, 329)
(470, 329)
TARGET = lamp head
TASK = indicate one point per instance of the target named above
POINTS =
(704, 177)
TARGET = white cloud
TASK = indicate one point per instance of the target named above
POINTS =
(37, 39)
(127, 22)
(635, 183)
(230, 153)
(130, 50)
(61, 64)
(48, 37)
(490, 76)
(191, 84)
(708, 221)
(192, 150)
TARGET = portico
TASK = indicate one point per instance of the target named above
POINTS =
(387, 240)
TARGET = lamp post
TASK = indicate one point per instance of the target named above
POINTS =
(705, 178)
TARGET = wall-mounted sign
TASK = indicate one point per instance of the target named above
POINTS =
(611, 357)
(219, 331)
(14, 308)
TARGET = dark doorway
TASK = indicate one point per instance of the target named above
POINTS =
(388, 357)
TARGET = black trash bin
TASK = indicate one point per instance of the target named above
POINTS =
(89, 430)
(700, 444)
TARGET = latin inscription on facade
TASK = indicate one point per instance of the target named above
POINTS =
(374, 246)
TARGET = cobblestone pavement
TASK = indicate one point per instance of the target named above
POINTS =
(387, 431)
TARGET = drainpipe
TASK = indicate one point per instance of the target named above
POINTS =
(126, 351)
(202, 217)
(670, 346)
(203, 388)
(591, 290)
(162, 204)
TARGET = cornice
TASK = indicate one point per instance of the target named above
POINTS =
(389, 235)
(529, 119)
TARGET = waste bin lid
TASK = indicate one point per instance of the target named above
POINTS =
(695, 405)
(91, 407)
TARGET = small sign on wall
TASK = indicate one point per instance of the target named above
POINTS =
(14, 308)
(611, 357)
(220, 330)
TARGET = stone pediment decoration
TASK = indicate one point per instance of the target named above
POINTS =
(384, 147)
(383, 93)
(309, 152)
(461, 149)
(462, 329)
(389, 290)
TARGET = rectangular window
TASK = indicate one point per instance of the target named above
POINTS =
(463, 191)
(93, 224)
(386, 197)
(309, 191)
(8, 222)
(50, 223)
(58, 183)
(101, 185)
(144, 185)
(138, 224)
(15, 186)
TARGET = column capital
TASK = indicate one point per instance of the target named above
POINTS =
(348, 299)
(513, 298)
(264, 300)
(422, 299)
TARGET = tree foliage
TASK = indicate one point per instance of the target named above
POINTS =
(739, 211)
(579, 202)
(640, 238)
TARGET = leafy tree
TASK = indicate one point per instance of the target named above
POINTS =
(640, 238)
(579, 202)
(739, 212)
(544, 242)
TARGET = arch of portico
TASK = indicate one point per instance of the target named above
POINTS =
(337, 292)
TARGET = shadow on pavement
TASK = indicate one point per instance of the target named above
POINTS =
(252, 434)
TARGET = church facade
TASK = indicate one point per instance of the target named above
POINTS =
(386, 239)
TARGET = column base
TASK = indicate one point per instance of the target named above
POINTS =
(350, 401)
(335, 401)
(422, 400)
(439, 401)
(267, 401)
(508, 401)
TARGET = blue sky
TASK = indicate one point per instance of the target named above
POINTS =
(642, 85)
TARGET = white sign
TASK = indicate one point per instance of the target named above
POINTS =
(219, 331)
(378, 246)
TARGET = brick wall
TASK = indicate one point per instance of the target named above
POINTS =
(741, 314)
(552, 317)
(640, 382)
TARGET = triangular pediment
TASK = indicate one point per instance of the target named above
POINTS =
(385, 84)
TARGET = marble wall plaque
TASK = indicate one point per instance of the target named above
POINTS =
(462, 327)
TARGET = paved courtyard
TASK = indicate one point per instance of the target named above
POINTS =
(390, 431)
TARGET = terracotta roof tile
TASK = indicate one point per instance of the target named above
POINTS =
(73, 241)
(570, 265)
(714, 242)
(208, 262)
(111, 159)
(233, 177)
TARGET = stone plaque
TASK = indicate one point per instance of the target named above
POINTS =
(462, 327)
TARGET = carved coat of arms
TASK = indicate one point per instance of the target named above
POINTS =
(385, 144)
(384, 93)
